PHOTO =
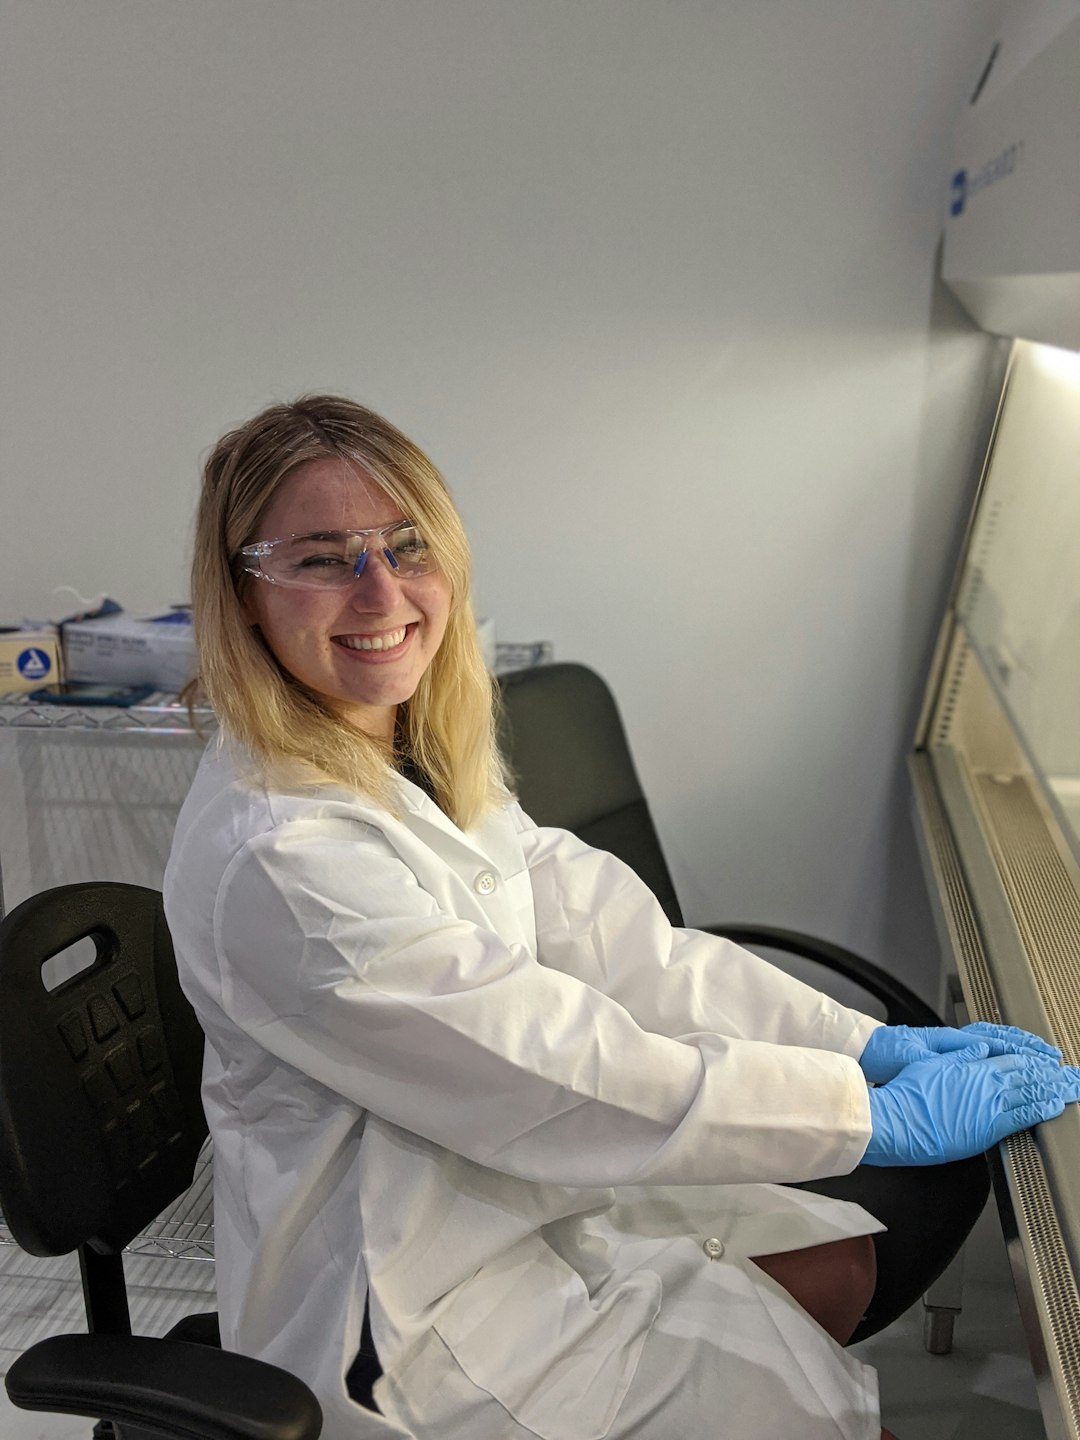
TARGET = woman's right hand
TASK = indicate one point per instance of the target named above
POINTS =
(960, 1104)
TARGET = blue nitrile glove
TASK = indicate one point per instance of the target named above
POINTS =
(891, 1047)
(952, 1106)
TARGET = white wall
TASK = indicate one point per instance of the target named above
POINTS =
(653, 283)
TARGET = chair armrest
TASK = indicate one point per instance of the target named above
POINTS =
(179, 1390)
(902, 1006)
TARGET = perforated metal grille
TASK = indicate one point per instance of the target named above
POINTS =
(1050, 1272)
(1029, 868)
(1044, 900)
(978, 987)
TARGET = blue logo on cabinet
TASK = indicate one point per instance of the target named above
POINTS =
(963, 187)
(34, 664)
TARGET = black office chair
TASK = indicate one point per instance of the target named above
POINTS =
(573, 769)
(100, 1127)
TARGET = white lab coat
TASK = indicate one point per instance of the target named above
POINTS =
(431, 1057)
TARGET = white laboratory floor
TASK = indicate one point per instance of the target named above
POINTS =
(984, 1390)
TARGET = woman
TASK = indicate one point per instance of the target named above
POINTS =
(466, 1085)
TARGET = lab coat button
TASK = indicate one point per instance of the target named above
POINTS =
(713, 1248)
(485, 883)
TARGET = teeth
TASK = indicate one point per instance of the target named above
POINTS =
(386, 641)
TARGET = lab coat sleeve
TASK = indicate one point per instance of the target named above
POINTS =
(337, 962)
(596, 920)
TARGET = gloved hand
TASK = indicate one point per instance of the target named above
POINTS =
(891, 1047)
(952, 1106)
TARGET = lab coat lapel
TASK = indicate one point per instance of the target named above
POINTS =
(492, 843)
(488, 859)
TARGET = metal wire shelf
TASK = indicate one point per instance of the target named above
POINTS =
(159, 714)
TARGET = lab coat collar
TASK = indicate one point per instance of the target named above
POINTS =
(491, 844)
(491, 839)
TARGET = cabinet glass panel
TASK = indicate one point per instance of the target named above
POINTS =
(1019, 594)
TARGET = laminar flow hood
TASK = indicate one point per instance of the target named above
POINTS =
(1012, 230)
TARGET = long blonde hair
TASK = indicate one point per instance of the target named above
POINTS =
(448, 727)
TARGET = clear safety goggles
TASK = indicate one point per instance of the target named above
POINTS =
(333, 559)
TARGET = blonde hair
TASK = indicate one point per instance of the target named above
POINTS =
(447, 728)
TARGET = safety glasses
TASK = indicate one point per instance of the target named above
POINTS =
(333, 559)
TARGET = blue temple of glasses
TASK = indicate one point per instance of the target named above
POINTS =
(361, 561)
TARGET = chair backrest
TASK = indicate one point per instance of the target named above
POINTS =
(571, 763)
(100, 1117)
(572, 767)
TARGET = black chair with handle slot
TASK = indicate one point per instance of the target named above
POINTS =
(101, 1125)
(572, 767)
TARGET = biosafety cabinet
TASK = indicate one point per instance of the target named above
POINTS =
(1012, 231)
(997, 760)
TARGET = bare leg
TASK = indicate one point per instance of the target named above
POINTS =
(832, 1282)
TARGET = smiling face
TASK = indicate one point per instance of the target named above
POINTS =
(365, 647)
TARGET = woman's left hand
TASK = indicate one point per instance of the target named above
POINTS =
(891, 1047)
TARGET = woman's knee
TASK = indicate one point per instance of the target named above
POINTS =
(833, 1283)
